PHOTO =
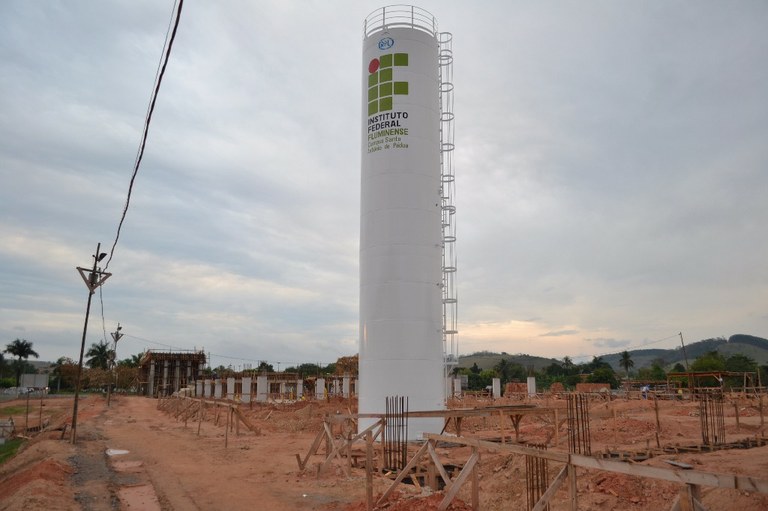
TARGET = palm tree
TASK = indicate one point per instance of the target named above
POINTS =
(22, 349)
(567, 364)
(626, 362)
(132, 361)
(99, 355)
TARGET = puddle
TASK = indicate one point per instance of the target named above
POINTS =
(127, 466)
(140, 497)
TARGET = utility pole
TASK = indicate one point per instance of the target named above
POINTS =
(116, 335)
(93, 280)
(688, 369)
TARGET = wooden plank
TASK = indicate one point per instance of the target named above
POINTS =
(731, 481)
(312, 450)
(246, 422)
(543, 501)
(465, 471)
(492, 446)
(440, 468)
(404, 472)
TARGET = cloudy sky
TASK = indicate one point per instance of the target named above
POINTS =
(611, 162)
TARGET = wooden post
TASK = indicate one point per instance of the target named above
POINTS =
(369, 471)
(501, 428)
(572, 489)
(226, 428)
(762, 421)
(690, 495)
(736, 410)
(431, 480)
(615, 427)
(26, 417)
(476, 481)
(658, 424)
(557, 428)
(200, 416)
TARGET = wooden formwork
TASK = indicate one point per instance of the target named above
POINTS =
(184, 408)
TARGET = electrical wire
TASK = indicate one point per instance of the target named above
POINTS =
(159, 79)
(170, 36)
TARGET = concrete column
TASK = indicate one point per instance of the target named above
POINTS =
(230, 388)
(246, 397)
(345, 386)
(177, 376)
(217, 389)
(189, 371)
(164, 390)
(457, 387)
(207, 388)
(531, 386)
(283, 390)
(199, 388)
(320, 388)
(357, 386)
(151, 382)
(262, 388)
(299, 388)
(496, 388)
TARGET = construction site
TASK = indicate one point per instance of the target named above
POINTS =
(703, 449)
(400, 432)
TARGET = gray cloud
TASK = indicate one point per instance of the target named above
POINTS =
(610, 168)
(559, 333)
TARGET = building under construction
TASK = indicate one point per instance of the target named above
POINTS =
(163, 373)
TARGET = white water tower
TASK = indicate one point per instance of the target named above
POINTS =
(406, 272)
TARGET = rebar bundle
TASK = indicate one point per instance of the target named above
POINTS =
(711, 416)
(578, 424)
(395, 433)
(536, 476)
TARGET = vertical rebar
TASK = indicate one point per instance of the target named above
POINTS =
(578, 424)
(536, 476)
(395, 439)
(711, 417)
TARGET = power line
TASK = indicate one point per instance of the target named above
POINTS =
(159, 79)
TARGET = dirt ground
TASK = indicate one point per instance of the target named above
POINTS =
(134, 456)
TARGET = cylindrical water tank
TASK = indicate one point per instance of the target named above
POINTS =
(401, 351)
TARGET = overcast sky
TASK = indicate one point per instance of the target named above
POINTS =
(611, 162)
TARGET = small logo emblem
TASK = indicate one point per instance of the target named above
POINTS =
(386, 43)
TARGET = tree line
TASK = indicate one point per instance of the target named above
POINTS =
(100, 363)
(598, 370)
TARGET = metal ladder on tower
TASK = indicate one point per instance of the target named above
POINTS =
(448, 207)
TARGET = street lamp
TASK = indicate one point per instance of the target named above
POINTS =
(93, 280)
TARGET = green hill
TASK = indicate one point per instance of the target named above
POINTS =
(748, 345)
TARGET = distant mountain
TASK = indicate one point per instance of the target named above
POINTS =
(488, 359)
(749, 345)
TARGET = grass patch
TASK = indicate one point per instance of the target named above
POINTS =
(9, 448)
(14, 410)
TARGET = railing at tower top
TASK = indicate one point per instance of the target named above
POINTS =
(399, 16)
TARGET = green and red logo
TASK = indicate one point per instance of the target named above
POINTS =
(381, 85)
